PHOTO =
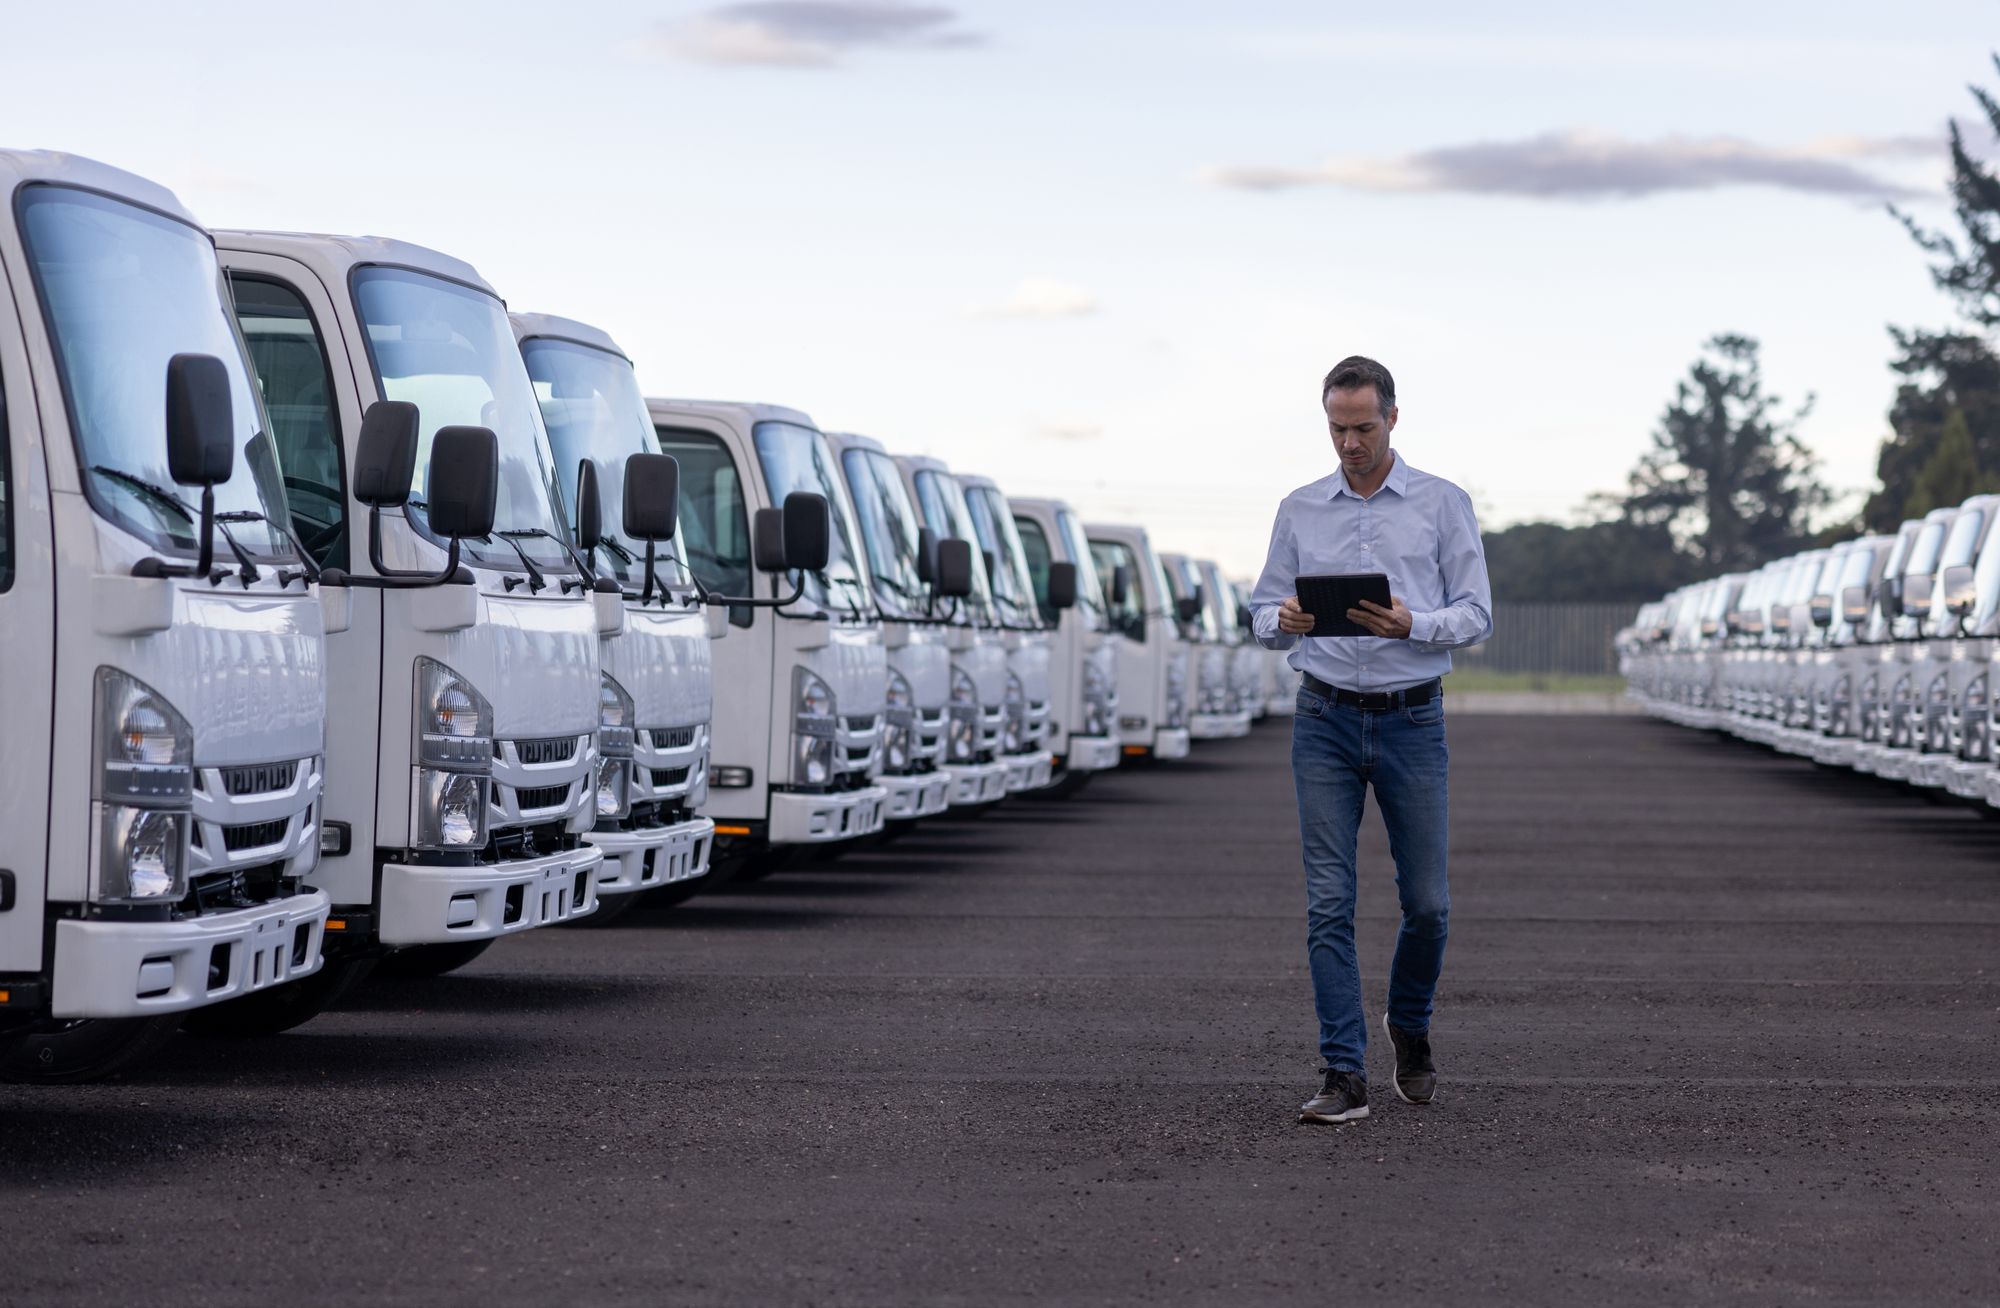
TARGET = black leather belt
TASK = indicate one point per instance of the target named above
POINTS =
(1376, 701)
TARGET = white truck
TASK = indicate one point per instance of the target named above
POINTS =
(1083, 665)
(1868, 664)
(154, 863)
(979, 672)
(796, 758)
(654, 653)
(1216, 714)
(1907, 600)
(464, 713)
(902, 568)
(1153, 657)
(1230, 611)
(1027, 639)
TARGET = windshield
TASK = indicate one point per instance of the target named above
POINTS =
(1012, 586)
(1924, 554)
(123, 290)
(1107, 556)
(796, 458)
(1221, 600)
(1089, 586)
(888, 528)
(946, 514)
(1856, 566)
(449, 349)
(592, 409)
(1182, 583)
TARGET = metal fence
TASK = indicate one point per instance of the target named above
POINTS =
(1556, 639)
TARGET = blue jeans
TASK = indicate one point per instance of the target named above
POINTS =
(1337, 753)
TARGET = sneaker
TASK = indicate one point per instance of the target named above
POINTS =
(1416, 1079)
(1342, 1097)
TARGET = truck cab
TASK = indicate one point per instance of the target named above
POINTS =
(980, 676)
(463, 725)
(902, 562)
(654, 651)
(1871, 659)
(1230, 611)
(156, 863)
(1153, 657)
(1083, 665)
(1217, 713)
(1029, 642)
(800, 697)
(1908, 600)
(1841, 610)
(1943, 671)
(1791, 705)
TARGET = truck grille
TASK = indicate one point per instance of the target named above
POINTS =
(673, 737)
(254, 835)
(669, 776)
(534, 797)
(861, 722)
(260, 778)
(553, 749)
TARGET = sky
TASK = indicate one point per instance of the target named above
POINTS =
(1104, 250)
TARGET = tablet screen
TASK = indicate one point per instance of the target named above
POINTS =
(1328, 597)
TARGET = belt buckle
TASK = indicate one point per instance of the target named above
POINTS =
(1375, 701)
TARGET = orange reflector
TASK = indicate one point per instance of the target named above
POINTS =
(6, 996)
(732, 831)
(336, 924)
(1135, 749)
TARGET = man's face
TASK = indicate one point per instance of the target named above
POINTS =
(1360, 432)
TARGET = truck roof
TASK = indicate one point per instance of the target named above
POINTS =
(337, 254)
(21, 166)
(728, 408)
(1040, 504)
(848, 440)
(564, 329)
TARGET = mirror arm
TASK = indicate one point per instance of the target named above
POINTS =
(206, 559)
(751, 602)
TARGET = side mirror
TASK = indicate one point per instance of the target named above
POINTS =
(1854, 605)
(1121, 586)
(652, 497)
(201, 423)
(767, 540)
(385, 454)
(927, 548)
(1243, 618)
(1889, 595)
(1062, 586)
(589, 509)
(1916, 596)
(463, 488)
(808, 528)
(1822, 610)
(1708, 626)
(954, 568)
(1958, 592)
(1188, 608)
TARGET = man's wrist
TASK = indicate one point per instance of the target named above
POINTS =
(1423, 626)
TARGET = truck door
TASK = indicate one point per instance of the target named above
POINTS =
(27, 657)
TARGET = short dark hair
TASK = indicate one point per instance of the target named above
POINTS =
(1357, 371)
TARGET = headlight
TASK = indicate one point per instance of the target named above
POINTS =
(615, 713)
(144, 788)
(454, 721)
(811, 697)
(812, 761)
(812, 729)
(961, 737)
(614, 787)
(900, 696)
(450, 809)
(896, 746)
(963, 693)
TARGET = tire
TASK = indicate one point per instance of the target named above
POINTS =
(609, 909)
(416, 962)
(280, 1008)
(1071, 782)
(756, 866)
(59, 1052)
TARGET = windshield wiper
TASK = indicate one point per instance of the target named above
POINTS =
(309, 568)
(535, 579)
(246, 567)
(583, 569)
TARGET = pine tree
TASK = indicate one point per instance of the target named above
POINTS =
(1951, 473)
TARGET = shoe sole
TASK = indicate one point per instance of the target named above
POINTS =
(1395, 1082)
(1331, 1119)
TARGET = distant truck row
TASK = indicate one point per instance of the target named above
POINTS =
(353, 623)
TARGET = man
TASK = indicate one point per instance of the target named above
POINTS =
(1371, 712)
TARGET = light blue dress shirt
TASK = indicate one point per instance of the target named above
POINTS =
(1418, 529)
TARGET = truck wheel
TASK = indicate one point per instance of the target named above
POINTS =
(418, 961)
(280, 1008)
(66, 1052)
(1069, 782)
(762, 863)
(609, 909)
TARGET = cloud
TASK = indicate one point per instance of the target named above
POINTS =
(1040, 297)
(1582, 166)
(809, 33)
(1068, 432)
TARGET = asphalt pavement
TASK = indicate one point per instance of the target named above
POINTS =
(1715, 1026)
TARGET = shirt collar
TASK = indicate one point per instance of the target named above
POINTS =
(1398, 479)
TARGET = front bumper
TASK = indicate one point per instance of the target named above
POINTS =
(1219, 726)
(919, 796)
(1091, 754)
(1282, 705)
(798, 818)
(1930, 769)
(1967, 778)
(976, 783)
(1028, 771)
(1172, 742)
(427, 905)
(142, 969)
(1896, 765)
(653, 856)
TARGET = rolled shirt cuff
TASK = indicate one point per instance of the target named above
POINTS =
(1423, 627)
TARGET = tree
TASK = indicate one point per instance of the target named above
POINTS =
(1544, 562)
(1950, 475)
(1727, 476)
(1968, 266)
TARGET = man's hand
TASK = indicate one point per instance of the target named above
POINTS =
(1392, 622)
(1293, 620)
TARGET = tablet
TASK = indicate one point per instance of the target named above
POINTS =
(1329, 596)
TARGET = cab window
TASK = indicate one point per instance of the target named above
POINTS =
(292, 371)
(1035, 546)
(714, 524)
(1128, 618)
